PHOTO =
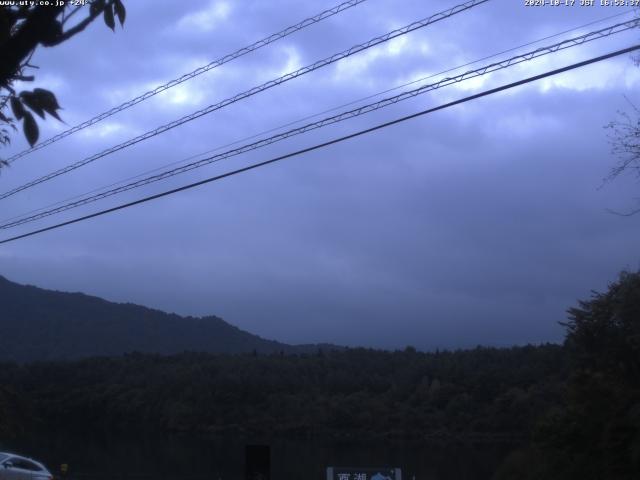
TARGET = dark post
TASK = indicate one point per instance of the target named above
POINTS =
(258, 462)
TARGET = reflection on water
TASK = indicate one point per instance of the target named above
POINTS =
(182, 457)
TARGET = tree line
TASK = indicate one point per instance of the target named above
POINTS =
(355, 392)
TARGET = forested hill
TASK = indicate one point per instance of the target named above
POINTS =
(38, 324)
(353, 393)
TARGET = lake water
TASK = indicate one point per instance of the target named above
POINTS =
(102, 457)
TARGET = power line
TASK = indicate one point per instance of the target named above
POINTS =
(330, 142)
(332, 109)
(188, 76)
(309, 117)
(248, 93)
(572, 42)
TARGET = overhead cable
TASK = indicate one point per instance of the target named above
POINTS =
(188, 76)
(328, 143)
(253, 91)
(309, 117)
(314, 115)
(572, 42)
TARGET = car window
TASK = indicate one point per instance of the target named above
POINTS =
(25, 464)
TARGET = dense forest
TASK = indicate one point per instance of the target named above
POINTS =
(594, 432)
(353, 392)
(573, 409)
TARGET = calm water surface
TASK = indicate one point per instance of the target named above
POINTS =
(180, 457)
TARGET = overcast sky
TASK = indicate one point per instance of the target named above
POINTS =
(479, 224)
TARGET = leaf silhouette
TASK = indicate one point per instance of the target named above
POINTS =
(121, 12)
(47, 101)
(30, 128)
(17, 108)
(108, 17)
(31, 100)
(96, 7)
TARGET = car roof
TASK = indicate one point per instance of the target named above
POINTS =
(15, 455)
(23, 457)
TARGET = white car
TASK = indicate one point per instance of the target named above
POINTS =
(15, 467)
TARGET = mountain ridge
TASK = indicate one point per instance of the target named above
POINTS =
(37, 324)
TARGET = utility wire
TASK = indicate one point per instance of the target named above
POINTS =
(330, 142)
(300, 120)
(572, 42)
(248, 93)
(188, 76)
